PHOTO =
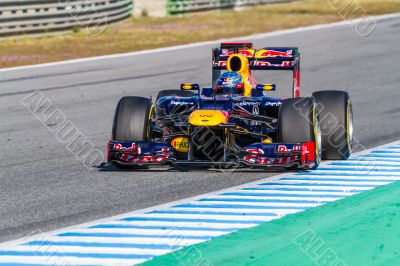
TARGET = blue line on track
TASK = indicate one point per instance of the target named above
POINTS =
(360, 169)
(343, 173)
(262, 200)
(25, 264)
(374, 159)
(75, 254)
(302, 189)
(381, 156)
(337, 179)
(182, 220)
(362, 165)
(281, 195)
(187, 228)
(384, 151)
(267, 214)
(316, 185)
(77, 234)
(101, 245)
(237, 206)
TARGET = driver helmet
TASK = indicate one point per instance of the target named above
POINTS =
(230, 82)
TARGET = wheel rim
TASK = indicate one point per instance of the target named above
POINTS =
(317, 137)
(149, 126)
(349, 125)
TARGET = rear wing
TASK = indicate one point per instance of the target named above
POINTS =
(268, 58)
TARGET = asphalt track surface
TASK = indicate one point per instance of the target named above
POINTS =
(44, 187)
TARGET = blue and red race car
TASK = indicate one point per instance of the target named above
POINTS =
(233, 124)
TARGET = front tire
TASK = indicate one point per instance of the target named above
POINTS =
(132, 120)
(298, 123)
(336, 116)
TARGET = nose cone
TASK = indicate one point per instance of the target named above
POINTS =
(208, 118)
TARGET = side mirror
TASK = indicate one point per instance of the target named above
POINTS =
(190, 87)
(266, 87)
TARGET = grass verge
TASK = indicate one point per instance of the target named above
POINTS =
(358, 230)
(145, 33)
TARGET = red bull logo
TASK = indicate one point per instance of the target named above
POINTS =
(274, 54)
(284, 148)
(222, 63)
(255, 151)
(245, 52)
(119, 146)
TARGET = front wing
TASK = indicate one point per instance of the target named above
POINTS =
(258, 155)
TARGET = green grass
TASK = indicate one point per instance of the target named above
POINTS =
(145, 33)
(360, 230)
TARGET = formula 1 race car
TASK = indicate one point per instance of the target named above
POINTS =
(233, 124)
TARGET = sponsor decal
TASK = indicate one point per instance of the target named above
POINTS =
(187, 86)
(181, 103)
(222, 63)
(279, 103)
(255, 151)
(274, 53)
(250, 103)
(228, 52)
(119, 146)
(180, 144)
(269, 64)
(227, 81)
(133, 153)
(287, 148)
(256, 110)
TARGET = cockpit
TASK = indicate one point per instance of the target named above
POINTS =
(230, 83)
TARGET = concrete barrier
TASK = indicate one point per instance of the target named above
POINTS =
(39, 16)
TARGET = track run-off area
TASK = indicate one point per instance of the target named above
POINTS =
(44, 187)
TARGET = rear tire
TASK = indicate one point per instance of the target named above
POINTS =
(335, 111)
(132, 119)
(298, 122)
